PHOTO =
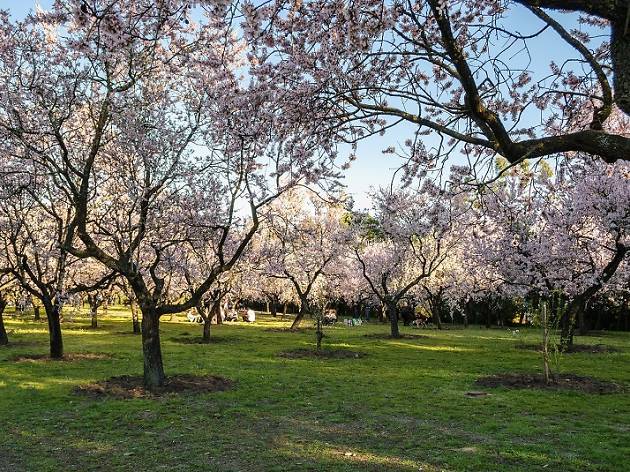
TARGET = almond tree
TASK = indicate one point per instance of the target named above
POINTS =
(409, 240)
(561, 239)
(144, 120)
(35, 231)
(303, 237)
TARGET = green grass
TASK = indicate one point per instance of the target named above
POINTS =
(400, 408)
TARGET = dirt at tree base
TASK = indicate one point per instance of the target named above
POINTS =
(559, 382)
(129, 386)
(304, 353)
(390, 337)
(199, 340)
(69, 357)
(575, 348)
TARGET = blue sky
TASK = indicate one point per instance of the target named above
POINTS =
(373, 168)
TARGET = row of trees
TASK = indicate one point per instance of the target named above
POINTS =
(529, 237)
(162, 145)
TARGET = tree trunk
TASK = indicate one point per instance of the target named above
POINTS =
(436, 315)
(94, 313)
(4, 338)
(36, 313)
(152, 351)
(215, 313)
(382, 313)
(392, 313)
(53, 315)
(274, 308)
(298, 318)
(582, 324)
(134, 318)
(567, 322)
(207, 324)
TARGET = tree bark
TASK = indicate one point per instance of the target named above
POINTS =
(4, 338)
(36, 313)
(392, 313)
(151, 349)
(53, 315)
(215, 313)
(582, 324)
(94, 317)
(567, 323)
(298, 318)
(207, 324)
(436, 314)
(274, 308)
(134, 318)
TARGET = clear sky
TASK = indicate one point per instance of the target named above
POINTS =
(373, 168)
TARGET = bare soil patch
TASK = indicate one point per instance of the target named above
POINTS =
(128, 386)
(69, 357)
(390, 337)
(199, 340)
(576, 348)
(303, 353)
(559, 382)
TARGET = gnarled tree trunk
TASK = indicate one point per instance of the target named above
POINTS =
(53, 315)
(93, 304)
(151, 349)
(134, 318)
(299, 316)
(392, 313)
(273, 306)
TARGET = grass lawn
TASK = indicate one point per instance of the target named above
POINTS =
(401, 407)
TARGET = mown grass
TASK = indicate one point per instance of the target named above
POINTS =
(400, 408)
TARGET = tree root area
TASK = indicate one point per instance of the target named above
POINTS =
(558, 382)
(321, 354)
(128, 386)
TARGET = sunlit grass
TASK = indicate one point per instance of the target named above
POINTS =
(399, 408)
